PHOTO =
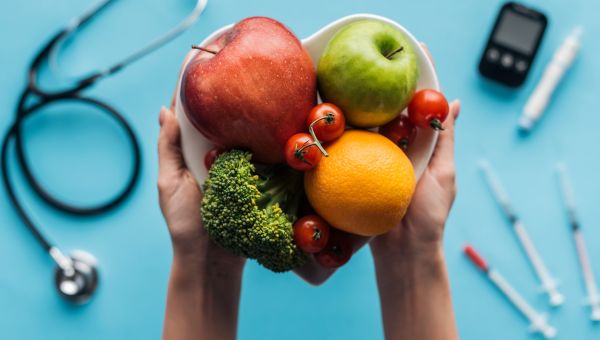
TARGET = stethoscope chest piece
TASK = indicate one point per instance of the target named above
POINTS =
(78, 282)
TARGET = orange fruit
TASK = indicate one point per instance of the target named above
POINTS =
(365, 185)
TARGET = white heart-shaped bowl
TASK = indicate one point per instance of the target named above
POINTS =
(195, 145)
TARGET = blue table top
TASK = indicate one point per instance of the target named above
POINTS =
(83, 158)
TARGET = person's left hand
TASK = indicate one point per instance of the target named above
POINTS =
(180, 198)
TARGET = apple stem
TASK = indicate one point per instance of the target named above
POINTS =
(204, 49)
(391, 54)
(311, 130)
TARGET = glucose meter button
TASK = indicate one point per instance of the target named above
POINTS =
(521, 65)
(493, 55)
(507, 60)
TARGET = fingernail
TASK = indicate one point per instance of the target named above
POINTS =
(161, 115)
(456, 102)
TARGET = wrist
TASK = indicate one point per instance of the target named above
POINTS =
(205, 257)
(417, 265)
(407, 249)
(190, 270)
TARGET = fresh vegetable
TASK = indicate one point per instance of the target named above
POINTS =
(365, 185)
(337, 252)
(249, 210)
(311, 233)
(401, 131)
(210, 157)
(301, 152)
(326, 122)
(428, 108)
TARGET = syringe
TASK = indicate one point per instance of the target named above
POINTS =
(593, 297)
(548, 283)
(539, 322)
(553, 74)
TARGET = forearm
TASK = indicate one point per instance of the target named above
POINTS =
(202, 301)
(415, 297)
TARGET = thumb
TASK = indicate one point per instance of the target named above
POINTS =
(170, 158)
(442, 160)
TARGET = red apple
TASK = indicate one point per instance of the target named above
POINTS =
(253, 89)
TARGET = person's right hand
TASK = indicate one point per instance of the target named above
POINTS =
(420, 232)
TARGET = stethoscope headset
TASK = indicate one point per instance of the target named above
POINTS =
(76, 275)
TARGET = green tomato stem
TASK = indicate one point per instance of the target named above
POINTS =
(403, 143)
(436, 124)
(329, 118)
(316, 234)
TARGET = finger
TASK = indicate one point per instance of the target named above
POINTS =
(173, 100)
(428, 53)
(170, 158)
(442, 161)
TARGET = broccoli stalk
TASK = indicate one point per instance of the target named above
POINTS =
(250, 210)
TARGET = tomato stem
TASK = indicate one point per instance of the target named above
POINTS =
(436, 124)
(329, 118)
(299, 153)
(403, 143)
(316, 234)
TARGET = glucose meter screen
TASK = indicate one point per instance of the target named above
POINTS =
(518, 32)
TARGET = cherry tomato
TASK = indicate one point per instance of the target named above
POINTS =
(428, 108)
(338, 250)
(311, 233)
(401, 131)
(301, 153)
(210, 157)
(327, 121)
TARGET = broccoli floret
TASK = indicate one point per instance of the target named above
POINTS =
(250, 210)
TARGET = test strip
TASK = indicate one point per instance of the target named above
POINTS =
(593, 298)
(548, 283)
(539, 322)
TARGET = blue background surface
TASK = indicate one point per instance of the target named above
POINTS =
(83, 158)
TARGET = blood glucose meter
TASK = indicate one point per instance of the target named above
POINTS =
(513, 44)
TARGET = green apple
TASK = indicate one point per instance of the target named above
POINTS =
(369, 69)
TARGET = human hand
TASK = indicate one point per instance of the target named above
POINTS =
(180, 198)
(411, 272)
(420, 232)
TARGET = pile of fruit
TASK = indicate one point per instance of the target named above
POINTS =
(289, 179)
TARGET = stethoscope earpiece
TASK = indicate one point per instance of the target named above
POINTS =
(78, 281)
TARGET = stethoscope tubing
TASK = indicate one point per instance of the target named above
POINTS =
(15, 133)
(45, 98)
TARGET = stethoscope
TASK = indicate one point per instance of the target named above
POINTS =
(76, 275)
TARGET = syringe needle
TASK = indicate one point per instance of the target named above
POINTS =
(593, 297)
(538, 321)
(548, 283)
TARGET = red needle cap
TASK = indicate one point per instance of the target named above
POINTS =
(474, 256)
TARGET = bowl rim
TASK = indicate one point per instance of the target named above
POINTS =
(312, 273)
(360, 16)
(422, 56)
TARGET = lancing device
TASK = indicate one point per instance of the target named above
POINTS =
(553, 74)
